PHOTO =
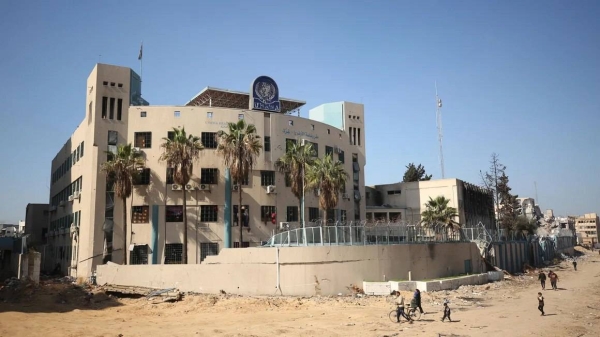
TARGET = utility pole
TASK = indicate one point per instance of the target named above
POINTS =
(438, 114)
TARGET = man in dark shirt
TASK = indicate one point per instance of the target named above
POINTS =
(542, 279)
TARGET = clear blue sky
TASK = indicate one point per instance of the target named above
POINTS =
(518, 78)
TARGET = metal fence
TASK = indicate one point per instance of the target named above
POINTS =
(359, 234)
(326, 233)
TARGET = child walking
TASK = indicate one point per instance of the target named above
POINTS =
(541, 303)
(446, 312)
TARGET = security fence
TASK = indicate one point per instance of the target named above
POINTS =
(360, 233)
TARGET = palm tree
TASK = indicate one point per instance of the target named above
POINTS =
(239, 148)
(180, 152)
(328, 178)
(293, 164)
(121, 169)
(437, 212)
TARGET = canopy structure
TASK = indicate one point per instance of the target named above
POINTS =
(223, 98)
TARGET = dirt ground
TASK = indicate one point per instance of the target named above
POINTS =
(503, 308)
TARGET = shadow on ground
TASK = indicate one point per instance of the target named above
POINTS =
(52, 296)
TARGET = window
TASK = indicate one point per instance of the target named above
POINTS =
(240, 116)
(341, 156)
(173, 253)
(267, 178)
(90, 112)
(315, 148)
(143, 177)
(209, 114)
(104, 106)
(313, 214)
(329, 151)
(142, 113)
(139, 255)
(245, 215)
(112, 108)
(394, 192)
(312, 126)
(112, 84)
(358, 136)
(174, 214)
(267, 146)
(209, 213)
(266, 212)
(113, 137)
(290, 122)
(120, 85)
(288, 179)
(140, 214)
(328, 131)
(119, 108)
(171, 135)
(208, 249)
(177, 114)
(105, 83)
(289, 143)
(331, 214)
(245, 244)
(143, 140)
(245, 182)
(292, 214)
(209, 176)
(170, 172)
(209, 140)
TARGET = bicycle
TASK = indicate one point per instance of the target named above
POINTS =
(413, 313)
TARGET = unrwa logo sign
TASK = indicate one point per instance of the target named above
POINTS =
(264, 95)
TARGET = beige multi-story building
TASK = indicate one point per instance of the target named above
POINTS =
(587, 228)
(406, 201)
(85, 215)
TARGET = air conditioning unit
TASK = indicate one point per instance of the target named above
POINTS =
(76, 195)
(204, 187)
(190, 187)
(73, 228)
(175, 187)
(284, 225)
(52, 208)
(345, 196)
(61, 204)
(235, 187)
(136, 150)
(71, 198)
(303, 142)
(338, 150)
(270, 189)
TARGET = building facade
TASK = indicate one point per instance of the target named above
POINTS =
(85, 215)
(406, 201)
(587, 228)
(36, 224)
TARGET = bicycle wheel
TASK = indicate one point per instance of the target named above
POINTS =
(414, 314)
(392, 316)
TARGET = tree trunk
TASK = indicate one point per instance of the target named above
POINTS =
(184, 254)
(325, 216)
(124, 230)
(240, 212)
(301, 200)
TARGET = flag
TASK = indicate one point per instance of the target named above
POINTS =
(141, 49)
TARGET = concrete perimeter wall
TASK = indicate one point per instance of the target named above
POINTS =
(303, 271)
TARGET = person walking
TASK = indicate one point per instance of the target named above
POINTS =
(542, 279)
(446, 312)
(575, 265)
(553, 279)
(416, 301)
(541, 303)
(400, 307)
